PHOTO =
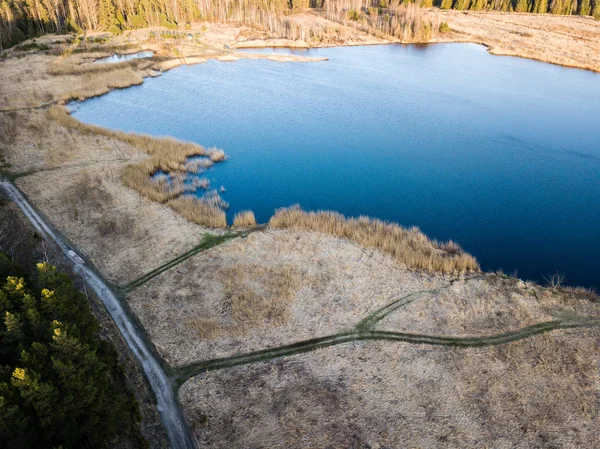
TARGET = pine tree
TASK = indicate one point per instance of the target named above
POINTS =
(58, 379)
(585, 8)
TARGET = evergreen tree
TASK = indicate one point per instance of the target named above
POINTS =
(59, 382)
(585, 8)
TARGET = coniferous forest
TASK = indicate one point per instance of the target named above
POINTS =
(60, 383)
(22, 19)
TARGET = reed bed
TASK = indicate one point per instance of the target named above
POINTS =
(96, 84)
(199, 211)
(410, 247)
(244, 219)
(216, 155)
(77, 66)
(166, 154)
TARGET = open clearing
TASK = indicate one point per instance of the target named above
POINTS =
(278, 287)
(539, 392)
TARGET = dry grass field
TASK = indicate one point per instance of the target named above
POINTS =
(310, 278)
(268, 289)
(536, 393)
(569, 41)
(491, 304)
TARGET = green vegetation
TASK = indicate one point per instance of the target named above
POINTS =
(60, 384)
(21, 19)
(32, 46)
(444, 27)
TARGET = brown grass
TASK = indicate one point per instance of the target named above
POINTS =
(166, 154)
(96, 84)
(338, 284)
(535, 393)
(76, 65)
(199, 211)
(244, 219)
(410, 247)
(207, 328)
(258, 296)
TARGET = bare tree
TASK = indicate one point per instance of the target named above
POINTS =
(555, 280)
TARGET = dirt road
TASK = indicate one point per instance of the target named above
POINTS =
(168, 407)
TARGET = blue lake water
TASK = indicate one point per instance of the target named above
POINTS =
(499, 154)
(114, 58)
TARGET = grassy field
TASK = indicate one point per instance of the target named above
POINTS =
(307, 276)
(538, 392)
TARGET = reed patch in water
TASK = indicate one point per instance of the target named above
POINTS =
(410, 247)
(166, 154)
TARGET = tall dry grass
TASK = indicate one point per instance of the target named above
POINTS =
(96, 84)
(410, 247)
(166, 154)
(77, 65)
(199, 211)
(244, 219)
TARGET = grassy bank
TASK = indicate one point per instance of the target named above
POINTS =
(410, 247)
(166, 154)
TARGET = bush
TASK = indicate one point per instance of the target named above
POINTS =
(444, 27)
(353, 14)
(32, 46)
(244, 219)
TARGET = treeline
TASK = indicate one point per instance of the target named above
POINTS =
(20, 19)
(60, 383)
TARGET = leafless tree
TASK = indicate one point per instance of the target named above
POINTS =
(555, 280)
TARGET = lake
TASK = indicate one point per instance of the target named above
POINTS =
(499, 154)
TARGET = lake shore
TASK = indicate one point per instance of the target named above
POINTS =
(280, 286)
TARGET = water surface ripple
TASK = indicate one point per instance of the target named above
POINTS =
(500, 154)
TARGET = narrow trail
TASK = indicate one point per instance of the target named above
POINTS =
(168, 407)
(165, 386)
(29, 108)
(14, 176)
(364, 330)
(208, 241)
(184, 373)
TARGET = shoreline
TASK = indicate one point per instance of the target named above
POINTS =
(201, 294)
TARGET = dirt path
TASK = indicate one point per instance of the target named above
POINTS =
(168, 407)
(365, 330)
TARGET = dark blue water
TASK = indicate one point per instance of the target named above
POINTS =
(499, 154)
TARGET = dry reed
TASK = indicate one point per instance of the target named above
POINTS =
(244, 219)
(167, 154)
(96, 84)
(258, 296)
(199, 211)
(77, 66)
(207, 328)
(410, 247)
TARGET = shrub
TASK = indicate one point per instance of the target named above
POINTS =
(244, 219)
(353, 14)
(444, 27)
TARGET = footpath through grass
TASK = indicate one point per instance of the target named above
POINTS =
(364, 330)
(208, 241)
